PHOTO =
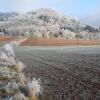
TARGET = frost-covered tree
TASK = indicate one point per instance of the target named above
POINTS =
(48, 23)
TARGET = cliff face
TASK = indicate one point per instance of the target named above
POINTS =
(48, 23)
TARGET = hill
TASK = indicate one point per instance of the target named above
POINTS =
(47, 23)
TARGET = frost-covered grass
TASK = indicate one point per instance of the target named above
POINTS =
(34, 88)
(12, 78)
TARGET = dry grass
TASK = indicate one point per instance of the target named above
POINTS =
(34, 89)
(58, 42)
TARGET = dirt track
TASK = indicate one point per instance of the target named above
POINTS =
(67, 73)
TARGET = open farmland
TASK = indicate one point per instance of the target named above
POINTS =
(6, 39)
(58, 42)
(67, 73)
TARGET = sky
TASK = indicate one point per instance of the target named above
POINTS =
(86, 10)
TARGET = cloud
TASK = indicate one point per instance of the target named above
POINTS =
(26, 5)
(93, 19)
(22, 5)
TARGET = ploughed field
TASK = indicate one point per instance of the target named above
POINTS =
(4, 39)
(66, 73)
(58, 42)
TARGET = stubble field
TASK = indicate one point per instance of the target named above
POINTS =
(66, 73)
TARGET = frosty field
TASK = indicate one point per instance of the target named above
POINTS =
(67, 73)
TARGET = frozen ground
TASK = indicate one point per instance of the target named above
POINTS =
(67, 73)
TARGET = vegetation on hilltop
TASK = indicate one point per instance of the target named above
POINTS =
(47, 23)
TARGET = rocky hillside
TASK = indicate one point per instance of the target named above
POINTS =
(47, 23)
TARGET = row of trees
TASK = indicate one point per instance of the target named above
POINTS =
(51, 32)
(48, 30)
(4, 31)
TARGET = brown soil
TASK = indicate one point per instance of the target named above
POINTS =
(58, 42)
(4, 39)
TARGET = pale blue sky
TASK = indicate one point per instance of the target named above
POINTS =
(75, 8)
